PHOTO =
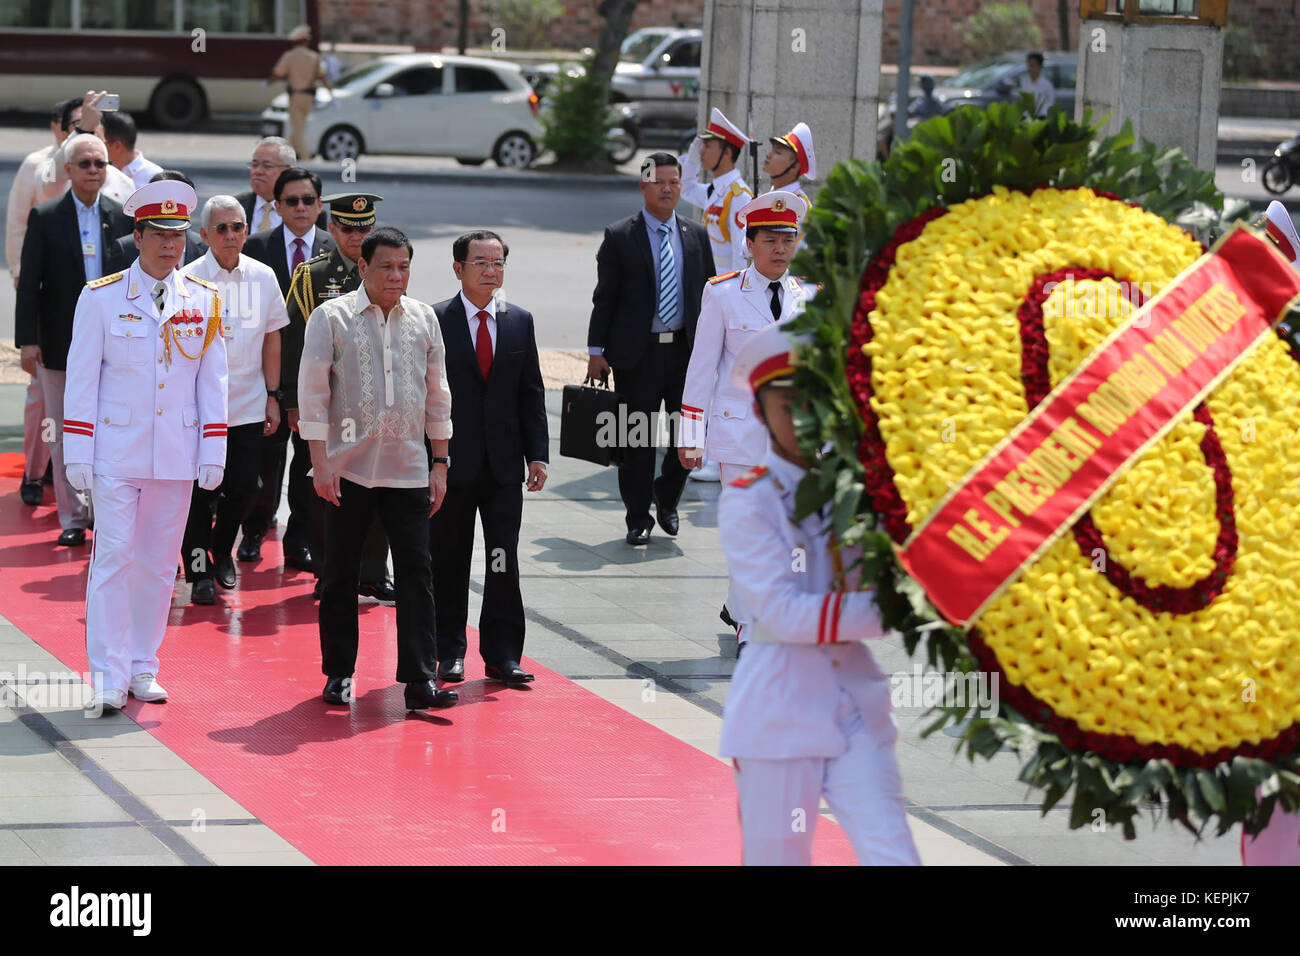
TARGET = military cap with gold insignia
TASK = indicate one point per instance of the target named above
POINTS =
(353, 209)
(799, 141)
(166, 204)
(777, 210)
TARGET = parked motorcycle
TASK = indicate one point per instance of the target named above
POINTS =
(1282, 171)
(624, 139)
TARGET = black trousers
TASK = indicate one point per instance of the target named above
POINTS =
(374, 552)
(659, 378)
(451, 539)
(298, 532)
(405, 515)
(205, 540)
(266, 500)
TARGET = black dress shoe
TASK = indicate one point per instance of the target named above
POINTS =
(297, 556)
(640, 535)
(315, 591)
(205, 592)
(250, 549)
(667, 517)
(224, 571)
(452, 671)
(381, 590)
(421, 695)
(727, 619)
(73, 537)
(338, 690)
(48, 477)
(508, 672)
(32, 492)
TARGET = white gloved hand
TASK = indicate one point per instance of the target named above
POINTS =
(210, 476)
(693, 154)
(81, 477)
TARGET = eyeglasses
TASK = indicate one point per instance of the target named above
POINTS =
(292, 201)
(349, 228)
(97, 163)
(268, 165)
(497, 264)
(235, 227)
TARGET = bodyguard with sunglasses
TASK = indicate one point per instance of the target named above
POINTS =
(284, 248)
(316, 281)
(253, 314)
(64, 248)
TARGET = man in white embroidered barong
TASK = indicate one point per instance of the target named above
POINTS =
(372, 385)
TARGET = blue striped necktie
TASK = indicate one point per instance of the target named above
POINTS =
(667, 280)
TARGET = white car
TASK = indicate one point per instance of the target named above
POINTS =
(426, 105)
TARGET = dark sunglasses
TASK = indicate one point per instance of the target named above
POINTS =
(293, 201)
(342, 227)
(97, 163)
(225, 227)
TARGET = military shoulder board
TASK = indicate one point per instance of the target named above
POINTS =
(105, 280)
(203, 282)
(724, 277)
(751, 476)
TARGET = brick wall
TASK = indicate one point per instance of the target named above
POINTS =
(433, 23)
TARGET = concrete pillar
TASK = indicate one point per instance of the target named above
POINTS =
(1163, 77)
(768, 64)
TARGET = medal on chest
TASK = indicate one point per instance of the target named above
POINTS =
(188, 324)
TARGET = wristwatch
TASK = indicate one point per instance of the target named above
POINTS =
(442, 460)
(277, 394)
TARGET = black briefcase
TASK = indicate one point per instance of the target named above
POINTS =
(589, 423)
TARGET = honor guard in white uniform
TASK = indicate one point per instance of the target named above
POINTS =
(717, 420)
(718, 149)
(808, 714)
(145, 414)
(790, 159)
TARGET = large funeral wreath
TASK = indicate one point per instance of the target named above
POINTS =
(1150, 659)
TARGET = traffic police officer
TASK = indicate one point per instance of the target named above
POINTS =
(808, 714)
(145, 414)
(716, 417)
(791, 158)
(717, 149)
(320, 278)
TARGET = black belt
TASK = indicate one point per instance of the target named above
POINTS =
(668, 338)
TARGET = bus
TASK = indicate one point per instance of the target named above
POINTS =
(175, 61)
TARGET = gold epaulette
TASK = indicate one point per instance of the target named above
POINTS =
(104, 280)
(751, 476)
(203, 282)
(300, 290)
(724, 277)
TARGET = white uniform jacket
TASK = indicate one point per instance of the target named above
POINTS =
(717, 416)
(804, 638)
(720, 200)
(127, 412)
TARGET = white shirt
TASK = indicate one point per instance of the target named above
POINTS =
(251, 307)
(22, 200)
(256, 219)
(141, 170)
(90, 238)
(1044, 92)
(372, 387)
(308, 239)
(471, 313)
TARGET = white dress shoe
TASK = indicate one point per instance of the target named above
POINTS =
(106, 701)
(145, 687)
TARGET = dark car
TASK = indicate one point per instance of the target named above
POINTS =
(998, 80)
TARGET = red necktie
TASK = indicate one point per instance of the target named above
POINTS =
(483, 345)
(298, 256)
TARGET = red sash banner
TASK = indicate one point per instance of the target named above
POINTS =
(1041, 478)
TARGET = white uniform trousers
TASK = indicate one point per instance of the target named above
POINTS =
(780, 800)
(729, 472)
(139, 523)
(74, 512)
(36, 450)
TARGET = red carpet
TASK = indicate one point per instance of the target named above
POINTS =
(550, 774)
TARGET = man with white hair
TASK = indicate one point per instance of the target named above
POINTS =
(52, 179)
(64, 248)
(253, 312)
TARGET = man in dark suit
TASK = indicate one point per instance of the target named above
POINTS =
(284, 248)
(650, 273)
(498, 416)
(271, 156)
(65, 247)
(123, 252)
